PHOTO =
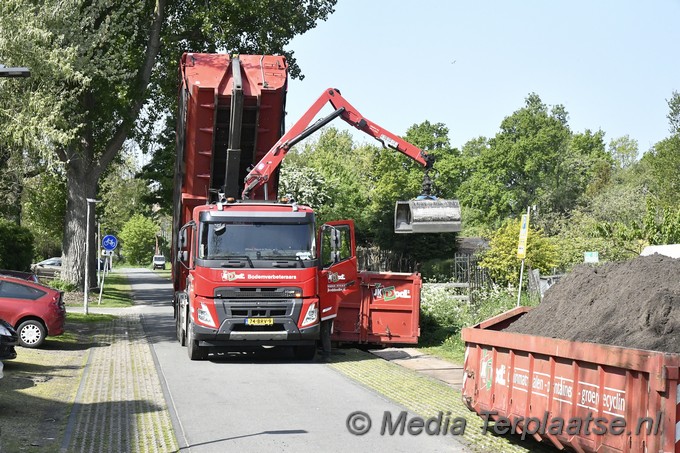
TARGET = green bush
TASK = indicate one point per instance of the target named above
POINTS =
(138, 240)
(442, 317)
(437, 270)
(62, 285)
(16, 246)
(501, 258)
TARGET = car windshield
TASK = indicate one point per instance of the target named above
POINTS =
(257, 240)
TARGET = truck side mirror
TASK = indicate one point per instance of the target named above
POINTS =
(182, 256)
(336, 239)
(182, 238)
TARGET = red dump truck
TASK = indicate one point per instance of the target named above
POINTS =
(585, 396)
(250, 269)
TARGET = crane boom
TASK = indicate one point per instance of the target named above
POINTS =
(427, 214)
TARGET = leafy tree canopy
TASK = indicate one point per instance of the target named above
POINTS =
(138, 239)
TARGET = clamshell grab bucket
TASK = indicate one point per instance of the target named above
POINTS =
(427, 216)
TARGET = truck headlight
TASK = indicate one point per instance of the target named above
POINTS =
(311, 316)
(204, 315)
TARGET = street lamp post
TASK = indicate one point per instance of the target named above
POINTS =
(14, 72)
(87, 254)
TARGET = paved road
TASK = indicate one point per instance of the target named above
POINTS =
(262, 403)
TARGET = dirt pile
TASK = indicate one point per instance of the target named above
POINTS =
(634, 304)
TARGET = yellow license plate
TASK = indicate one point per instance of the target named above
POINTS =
(260, 321)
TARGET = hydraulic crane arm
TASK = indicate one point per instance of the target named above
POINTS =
(260, 174)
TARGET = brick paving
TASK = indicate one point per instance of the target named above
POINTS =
(120, 405)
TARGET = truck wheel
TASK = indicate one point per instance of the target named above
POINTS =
(304, 352)
(194, 350)
(181, 335)
(326, 330)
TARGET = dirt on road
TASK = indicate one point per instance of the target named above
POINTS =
(633, 304)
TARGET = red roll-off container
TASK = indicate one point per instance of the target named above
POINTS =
(521, 376)
(387, 312)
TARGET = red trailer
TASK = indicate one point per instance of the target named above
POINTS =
(608, 398)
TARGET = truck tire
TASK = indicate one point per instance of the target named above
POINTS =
(181, 334)
(326, 330)
(194, 350)
(180, 320)
(304, 352)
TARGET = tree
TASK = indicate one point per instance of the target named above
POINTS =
(624, 151)
(43, 210)
(501, 257)
(341, 172)
(16, 246)
(395, 177)
(95, 67)
(674, 113)
(123, 195)
(305, 184)
(664, 165)
(534, 160)
(138, 239)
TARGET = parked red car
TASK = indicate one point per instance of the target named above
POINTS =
(30, 276)
(34, 310)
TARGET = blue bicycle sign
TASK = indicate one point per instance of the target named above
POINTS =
(109, 242)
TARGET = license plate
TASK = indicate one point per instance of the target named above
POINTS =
(260, 321)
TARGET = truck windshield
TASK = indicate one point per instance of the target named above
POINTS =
(254, 240)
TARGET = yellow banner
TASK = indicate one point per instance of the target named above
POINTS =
(523, 234)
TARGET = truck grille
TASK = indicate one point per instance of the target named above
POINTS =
(259, 312)
(256, 293)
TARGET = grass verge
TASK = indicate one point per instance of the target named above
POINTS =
(427, 397)
(38, 391)
(116, 293)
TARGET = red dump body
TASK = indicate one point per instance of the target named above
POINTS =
(627, 398)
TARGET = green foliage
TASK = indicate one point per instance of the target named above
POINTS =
(122, 196)
(16, 246)
(664, 165)
(43, 209)
(442, 318)
(395, 177)
(534, 160)
(579, 234)
(62, 286)
(138, 238)
(624, 151)
(501, 258)
(674, 113)
(437, 270)
(305, 184)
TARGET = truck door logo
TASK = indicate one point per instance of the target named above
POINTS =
(231, 276)
(334, 277)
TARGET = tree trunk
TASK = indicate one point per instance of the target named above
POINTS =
(81, 185)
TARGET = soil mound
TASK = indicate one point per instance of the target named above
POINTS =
(634, 304)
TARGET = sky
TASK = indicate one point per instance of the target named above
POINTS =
(468, 65)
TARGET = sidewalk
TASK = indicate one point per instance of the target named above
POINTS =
(447, 372)
(120, 405)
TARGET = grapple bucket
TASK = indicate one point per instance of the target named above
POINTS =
(427, 216)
